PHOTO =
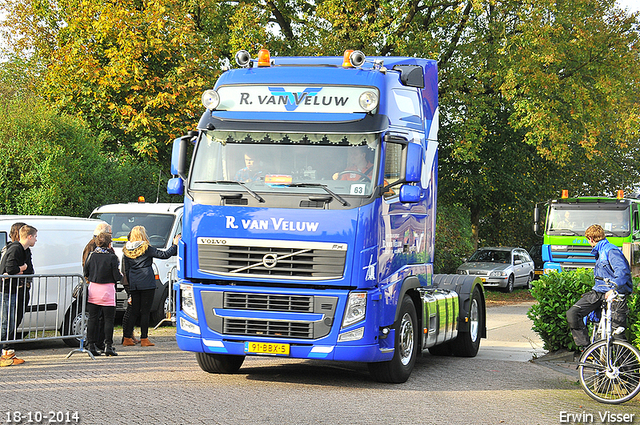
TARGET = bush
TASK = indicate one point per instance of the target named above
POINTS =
(53, 165)
(556, 293)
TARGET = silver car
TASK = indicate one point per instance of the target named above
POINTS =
(501, 267)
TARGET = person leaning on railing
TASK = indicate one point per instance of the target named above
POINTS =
(14, 262)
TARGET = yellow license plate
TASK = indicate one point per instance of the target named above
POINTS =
(266, 348)
(538, 272)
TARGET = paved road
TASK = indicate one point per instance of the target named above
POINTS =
(162, 385)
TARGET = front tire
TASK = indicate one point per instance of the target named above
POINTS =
(467, 343)
(219, 363)
(509, 288)
(399, 368)
(611, 386)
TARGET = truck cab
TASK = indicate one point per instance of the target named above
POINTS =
(309, 218)
(565, 247)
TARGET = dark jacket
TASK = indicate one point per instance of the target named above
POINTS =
(611, 263)
(101, 266)
(14, 257)
(137, 260)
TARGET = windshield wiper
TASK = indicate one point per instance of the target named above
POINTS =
(254, 194)
(326, 189)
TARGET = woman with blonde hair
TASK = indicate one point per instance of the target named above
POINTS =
(137, 259)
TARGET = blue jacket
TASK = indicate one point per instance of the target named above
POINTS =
(611, 263)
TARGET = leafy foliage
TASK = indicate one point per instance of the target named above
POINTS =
(453, 237)
(555, 294)
(535, 96)
(52, 165)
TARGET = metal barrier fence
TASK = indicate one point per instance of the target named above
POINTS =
(170, 316)
(43, 307)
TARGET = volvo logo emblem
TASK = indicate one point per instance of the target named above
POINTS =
(270, 260)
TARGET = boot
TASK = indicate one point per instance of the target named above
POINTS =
(94, 350)
(128, 342)
(110, 351)
(144, 342)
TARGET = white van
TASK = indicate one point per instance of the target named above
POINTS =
(162, 222)
(58, 251)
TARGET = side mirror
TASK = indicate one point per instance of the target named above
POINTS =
(175, 186)
(412, 161)
(517, 262)
(409, 194)
(536, 219)
(179, 155)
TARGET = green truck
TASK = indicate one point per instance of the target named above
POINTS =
(565, 247)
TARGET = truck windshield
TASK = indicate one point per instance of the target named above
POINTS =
(342, 164)
(573, 221)
(158, 226)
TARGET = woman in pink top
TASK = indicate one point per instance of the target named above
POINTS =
(102, 271)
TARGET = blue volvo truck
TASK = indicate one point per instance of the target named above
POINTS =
(310, 216)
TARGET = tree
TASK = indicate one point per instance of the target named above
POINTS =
(134, 70)
(52, 165)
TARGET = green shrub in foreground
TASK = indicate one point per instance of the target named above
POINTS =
(556, 293)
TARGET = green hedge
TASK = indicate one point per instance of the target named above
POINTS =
(556, 293)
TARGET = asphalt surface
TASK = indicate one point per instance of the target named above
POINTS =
(163, 385)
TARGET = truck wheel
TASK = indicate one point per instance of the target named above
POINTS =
(509, 288)
(406, 347)
(467, 343)
(219, 363)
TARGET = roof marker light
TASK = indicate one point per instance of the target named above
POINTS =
(264, 58)
(565, 193)
(620, 194)
(345, 61)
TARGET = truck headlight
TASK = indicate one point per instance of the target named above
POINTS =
(356, 308)
(210, 99)
(188, 301)
(368, 101)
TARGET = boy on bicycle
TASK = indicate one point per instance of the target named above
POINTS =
(611, 264)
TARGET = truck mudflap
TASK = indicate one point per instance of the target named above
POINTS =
(464, 286)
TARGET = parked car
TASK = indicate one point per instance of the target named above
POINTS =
(500, 267)
(538, 263)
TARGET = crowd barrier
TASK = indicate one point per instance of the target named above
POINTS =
(172, 277)
(47, 307)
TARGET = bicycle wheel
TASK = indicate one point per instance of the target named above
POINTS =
(616, 385)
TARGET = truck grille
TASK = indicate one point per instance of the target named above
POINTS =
(268, 314)
(267, 302)
(572, 257)
(280, 259)
(268, 328)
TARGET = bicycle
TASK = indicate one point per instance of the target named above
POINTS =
(609, 368)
